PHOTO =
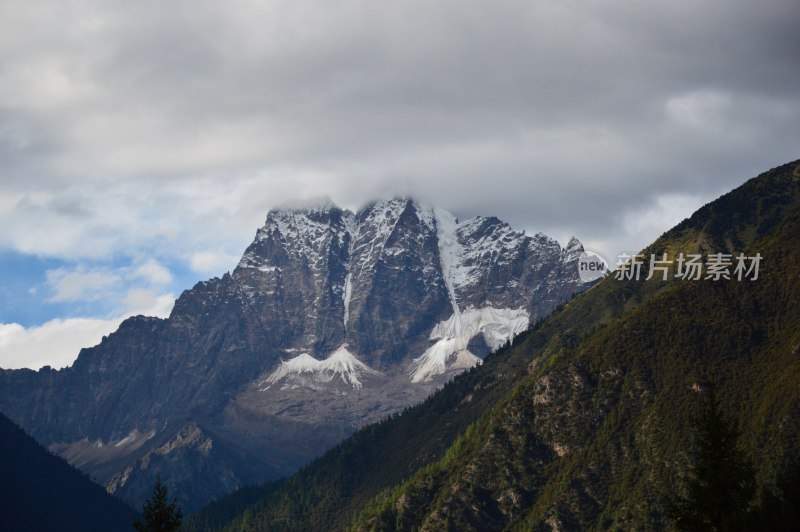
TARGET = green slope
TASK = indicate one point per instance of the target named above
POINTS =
(582, 421)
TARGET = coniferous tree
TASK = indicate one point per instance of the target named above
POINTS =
(719, 492)
(158, 515)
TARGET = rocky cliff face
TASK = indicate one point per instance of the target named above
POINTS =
(331, 320)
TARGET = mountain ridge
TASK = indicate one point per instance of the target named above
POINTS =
(311, 281)
(478, 448)
(43, 492)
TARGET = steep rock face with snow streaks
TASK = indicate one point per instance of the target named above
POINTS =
(331, 320)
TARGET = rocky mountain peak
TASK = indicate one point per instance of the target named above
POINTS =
(574, 246)
(331, 320)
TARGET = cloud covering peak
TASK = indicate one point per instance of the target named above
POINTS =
(166, 131)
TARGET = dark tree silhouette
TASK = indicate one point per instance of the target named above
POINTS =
(780, 508)
(158, 515)
(719, 492)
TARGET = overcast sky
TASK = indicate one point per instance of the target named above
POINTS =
(142, 143)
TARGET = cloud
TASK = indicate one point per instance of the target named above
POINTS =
(640, 225)
(212, 262)
(148, 303)
(80, 284)
(168, 130)
(698, 109)
(154, 273)
(55, 343)
(93, 283)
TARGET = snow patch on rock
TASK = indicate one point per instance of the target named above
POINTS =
(344, 364)
(450, 252)
(452, 336)
(341, 364)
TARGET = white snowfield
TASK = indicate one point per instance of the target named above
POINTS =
(452, 337)
(341, 363)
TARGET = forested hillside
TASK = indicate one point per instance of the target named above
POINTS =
(583, 423)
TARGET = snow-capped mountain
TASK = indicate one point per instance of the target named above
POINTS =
(352, 278)
(331, 319)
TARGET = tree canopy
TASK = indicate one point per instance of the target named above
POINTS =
(158, 515)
